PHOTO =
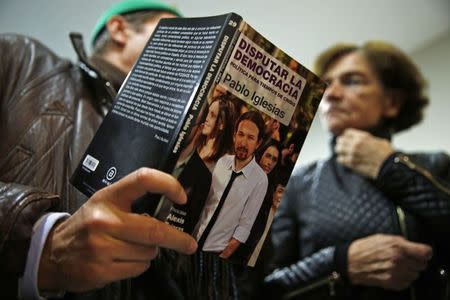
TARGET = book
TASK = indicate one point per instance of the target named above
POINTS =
(207, 100)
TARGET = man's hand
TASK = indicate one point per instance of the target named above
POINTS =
(104, 242)
(386, 261)
(362, 152)
(233, 244)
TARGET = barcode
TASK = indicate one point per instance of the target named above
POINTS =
(90, 162)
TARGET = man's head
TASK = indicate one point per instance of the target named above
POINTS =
(248, 134)
(218, 91)
(277, 195)
(281, 181)
(123, 30)
(272, 126)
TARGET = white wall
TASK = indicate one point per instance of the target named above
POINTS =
(434, 132)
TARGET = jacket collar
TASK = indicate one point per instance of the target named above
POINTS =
(380, 131)
(113, 74)
(103, 78)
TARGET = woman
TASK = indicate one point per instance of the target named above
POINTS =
(216, 137)
(370, 215)
(269, 156)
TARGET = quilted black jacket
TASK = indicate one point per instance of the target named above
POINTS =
(327, 206)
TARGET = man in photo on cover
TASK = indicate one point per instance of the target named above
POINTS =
(237, 191)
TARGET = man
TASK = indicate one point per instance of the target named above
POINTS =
(49, 111)
(232, 205)
(273, 129)
(268, 158)
(237, 191)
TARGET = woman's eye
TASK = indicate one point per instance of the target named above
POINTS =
(352, 80)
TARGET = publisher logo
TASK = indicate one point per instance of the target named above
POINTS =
(232, 23)
(111, 173)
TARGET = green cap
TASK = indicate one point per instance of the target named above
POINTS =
(129, 6)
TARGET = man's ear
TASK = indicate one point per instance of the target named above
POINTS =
(118, 27)
(393, 103)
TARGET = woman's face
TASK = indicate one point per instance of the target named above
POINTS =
(211, 118)
(269, 159)
(277, 195)
(354, 98)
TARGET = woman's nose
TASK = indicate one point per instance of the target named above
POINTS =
(334, 91)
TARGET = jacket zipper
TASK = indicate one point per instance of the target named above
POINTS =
(401, 158)
(404, 231)
(329, 280)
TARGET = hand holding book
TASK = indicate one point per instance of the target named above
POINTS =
(107, 242)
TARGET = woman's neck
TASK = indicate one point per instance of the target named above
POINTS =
(206, 150)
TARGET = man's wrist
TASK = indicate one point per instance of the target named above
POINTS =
(47, 279)
(28, 284)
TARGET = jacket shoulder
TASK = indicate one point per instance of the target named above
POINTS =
(25, 64)
(436, 162)
(306, 172)
(302, 179)
(28, 54)
(17, 42)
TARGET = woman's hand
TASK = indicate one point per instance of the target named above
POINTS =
(386, 261)
(362, 152)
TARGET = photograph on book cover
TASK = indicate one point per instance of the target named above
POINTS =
(241, 150)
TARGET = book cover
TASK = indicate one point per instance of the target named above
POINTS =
(216, 104)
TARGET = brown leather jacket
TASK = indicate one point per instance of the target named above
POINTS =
(49, 112)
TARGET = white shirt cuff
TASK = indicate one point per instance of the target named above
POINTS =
(28, 287)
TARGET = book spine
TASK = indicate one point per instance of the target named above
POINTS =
(227, 55)
(225, 42)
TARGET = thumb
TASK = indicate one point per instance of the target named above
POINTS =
(417, 251)
(145, 180)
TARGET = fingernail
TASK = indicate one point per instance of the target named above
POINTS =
(430, 254)
(193, 246)
(183, 197)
